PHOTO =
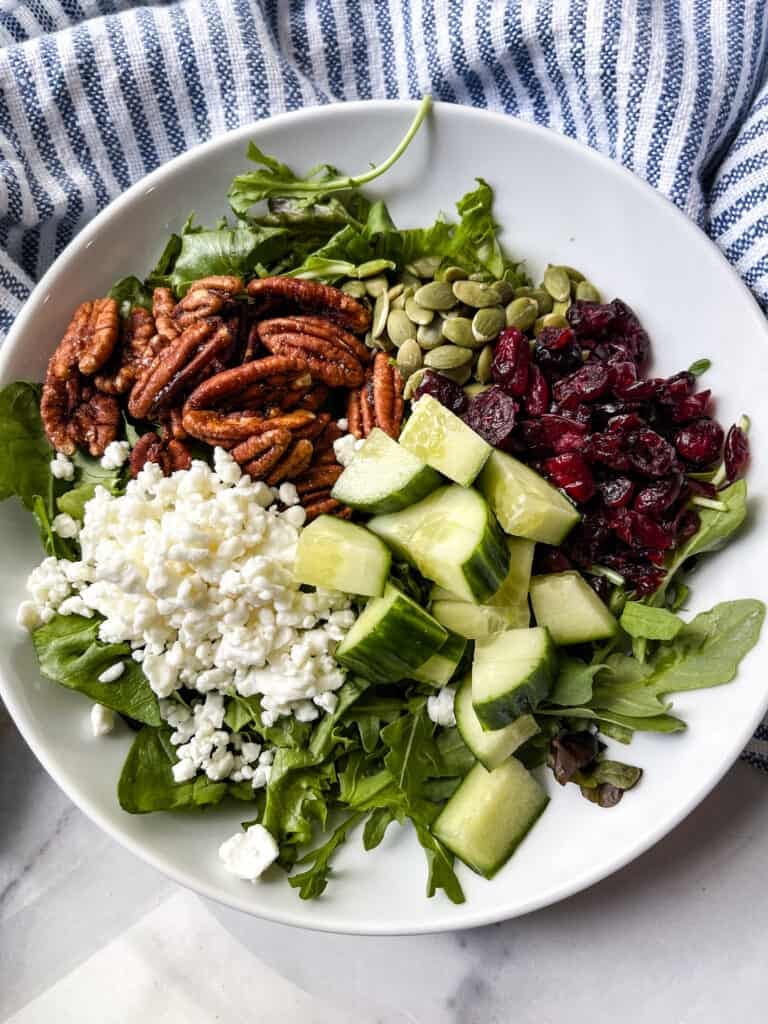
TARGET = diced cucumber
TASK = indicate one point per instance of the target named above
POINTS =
(570, 609)
(338, 555)
(524, 503)
(514, 590)
(440, 668)
(384, 477)
(453, 539)
(512, 673)
(474, 621)
(489, 815)
(489, 747)
(392, 637)
(438, 437)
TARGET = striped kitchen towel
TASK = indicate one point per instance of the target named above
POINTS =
(96, 93)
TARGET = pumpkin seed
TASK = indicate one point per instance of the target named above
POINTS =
(430, 335)
(480, 275)
(477, 294)
(418, 314)
(522, 312)
(448, 357)
(399, 327)
(380, 314)
(402, 298)
(459, 331)
(413, 382)
(460, 375)
(473, 390)
(544, 300)
(369, 340)
(374, 267)
(450, 314)
(395, 290)
(383, 344)
(557, 283)
(505, 290)
(483, 368)
(354, 288)
(574, 274)
(561, 307)
(523, 292)
(409, 358)
(424, 267)
(586, 291)
(488, 323)
(376, 285)
(410, 280)
(549, 320)
(450, 274)
(435, 295)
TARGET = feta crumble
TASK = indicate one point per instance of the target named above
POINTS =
(102, 720)
(109, 675)
(248, 854)
(440, 707)
(65, 526)
(61, 467)
(115, 454)
(345, 448)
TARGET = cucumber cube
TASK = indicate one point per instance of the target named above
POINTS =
(442, 440)
(338, 555)
(570, 609)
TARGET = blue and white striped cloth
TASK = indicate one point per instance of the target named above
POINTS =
(96, 93)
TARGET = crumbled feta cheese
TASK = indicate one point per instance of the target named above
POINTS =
(266, 757)
(295, 515)
(343, 424)
(61, 467)
(115, 454)
(440, 707)
(327, 701)
(248, 854)
(344, 448)
(184, 770)
(102, 720)
(28, 616)
(65, 526)
(251, 751)
(306, 711)
(109, 675)
(288, 494)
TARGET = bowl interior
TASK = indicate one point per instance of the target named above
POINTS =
(557, 202)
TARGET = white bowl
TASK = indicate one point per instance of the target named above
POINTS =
(557, 202)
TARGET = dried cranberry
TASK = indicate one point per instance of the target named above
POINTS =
(580, 414)
(655, 499)
(444, 390)
(736, 452)
(687, 524)
(649, 453)
(511, 358)
(590, 319)
(551, 560)
(570, 441)
(493, 415)
(628, 333)
(640, 531)
(623, 374)
(586, 384)
(588, 542)
(689, 408)
(571, 472)
(557, 351)
(699, 442)
(544, 434)
(617, 491)
(642, 390)
(644, 578)
(537, 394)
(608, 449)
(625, 423)
(678, 386)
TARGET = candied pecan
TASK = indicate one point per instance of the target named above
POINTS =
(179, 367)
(260, 453)
(207, 297)
(379, 402)
(367, 413)
(88, 340)
(74, 414)
(318, 477)
(208, 413)
(315, 427)
(170, 454)
(290, 292)
(322, 504)
(332, 354)
(331, 432)
(354, 414)
(293, 463)
(163, 304)
(139, 345)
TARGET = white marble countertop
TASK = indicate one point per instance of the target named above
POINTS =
(679, 937)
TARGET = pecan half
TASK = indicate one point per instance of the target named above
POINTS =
(210, 296)
(231, 406)
(379, 402)
(75, 414)
(273, 293)
(139, 345)
(318, 478)
(179, 367)
(168, 453)
(88, 340)
(163, 305)
(322, 504)
(332, 354)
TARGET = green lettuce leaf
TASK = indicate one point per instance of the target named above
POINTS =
(643, 621)
(26, 454)
(70, 653)
(131, 292)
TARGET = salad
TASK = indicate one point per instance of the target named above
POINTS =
(356, 525)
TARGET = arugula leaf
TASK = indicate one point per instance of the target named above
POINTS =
(413, 755)
(699, 367)
(325, 736)
(25, 465)
(297, 798)
(146, 781)
(573, 685)
(707, 651)
(312, 882)
(70, 653)
(131, 292)
(642, 620)
(277, 179)
(245, 713)
(376, 826)
(441, 874)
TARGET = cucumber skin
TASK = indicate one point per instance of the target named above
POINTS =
(488, 760)
(444, 663)
(399, 648)
(500, 711)
(420, 486)
(485, 575)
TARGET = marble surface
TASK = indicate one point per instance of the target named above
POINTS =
(678, 937)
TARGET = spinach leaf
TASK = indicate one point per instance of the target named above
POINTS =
(90, 475)
(70, 653)
(25, 465)
(131, 292)
(642, 620)
(59, 547)
(146, 781)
